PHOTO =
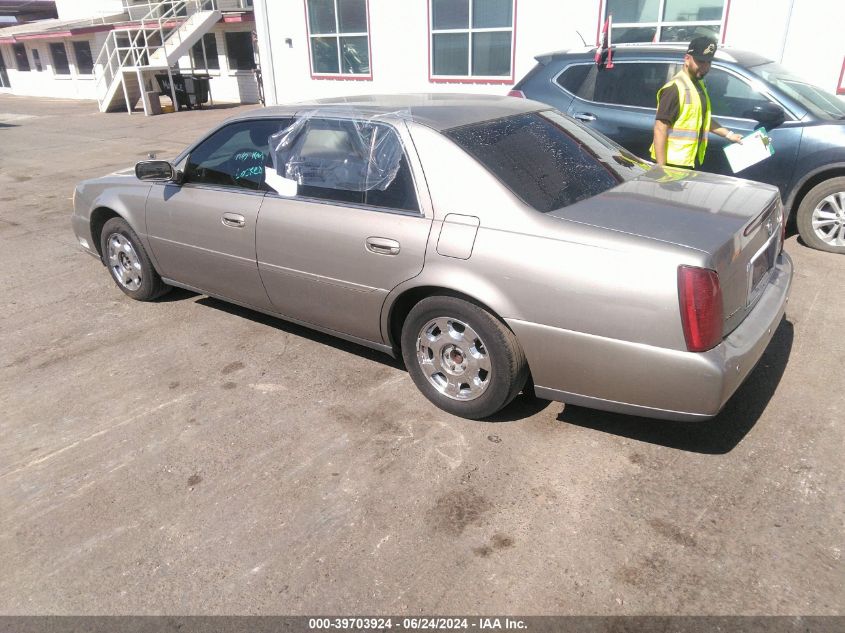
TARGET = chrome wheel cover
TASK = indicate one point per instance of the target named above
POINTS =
(123, 262)
(829, 219)
(453, 359)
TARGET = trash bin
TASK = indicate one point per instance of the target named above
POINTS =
(197, 87)
(154, 101)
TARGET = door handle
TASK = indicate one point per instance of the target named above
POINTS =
(585, 116)
(234, 220)
(382, 246)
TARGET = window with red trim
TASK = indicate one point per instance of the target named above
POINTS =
(471, 39)
(665, 20)
(339, 37)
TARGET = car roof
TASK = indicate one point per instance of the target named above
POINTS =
(438, 111)
(640, 51)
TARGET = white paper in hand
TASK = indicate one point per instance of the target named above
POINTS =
(755, 147)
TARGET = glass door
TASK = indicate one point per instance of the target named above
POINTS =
(4, 76)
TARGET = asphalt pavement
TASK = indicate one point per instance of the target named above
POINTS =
(191, 457)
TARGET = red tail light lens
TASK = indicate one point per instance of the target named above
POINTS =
(516, 93)
(701, 307)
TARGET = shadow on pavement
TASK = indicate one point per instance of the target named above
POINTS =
(716, 436)
(293, 328)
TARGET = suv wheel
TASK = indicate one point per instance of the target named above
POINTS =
(821, 216)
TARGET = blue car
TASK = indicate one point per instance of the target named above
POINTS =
(805, 123)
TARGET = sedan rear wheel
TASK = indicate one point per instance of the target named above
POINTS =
(128, 262)
(461, 357)
(821, 216)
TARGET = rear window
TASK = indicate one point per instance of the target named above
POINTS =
(626, 83)
(549, 162)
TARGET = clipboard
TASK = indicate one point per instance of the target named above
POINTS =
(755, 147)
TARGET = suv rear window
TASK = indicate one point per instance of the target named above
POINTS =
(547, 166)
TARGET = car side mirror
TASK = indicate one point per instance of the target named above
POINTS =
(769, 114)
(155, 171)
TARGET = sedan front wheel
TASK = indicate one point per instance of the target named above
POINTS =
(461, 357)
(128, 262)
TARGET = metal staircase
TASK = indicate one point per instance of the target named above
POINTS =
(135, 50)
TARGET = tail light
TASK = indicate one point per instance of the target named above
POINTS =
(701, 307)
(516, 93)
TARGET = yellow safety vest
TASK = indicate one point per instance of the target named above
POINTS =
(682, 146)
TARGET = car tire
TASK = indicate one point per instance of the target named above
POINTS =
(461, 357)
(128, 263)
(821, 216)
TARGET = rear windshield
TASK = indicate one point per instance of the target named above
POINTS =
(546, 159)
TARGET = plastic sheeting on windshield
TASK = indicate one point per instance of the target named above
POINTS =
(319, 150)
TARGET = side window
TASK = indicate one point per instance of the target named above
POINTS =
(348, 161)
(572, 79)
(234, 156)
(631, 84)
(730, 96)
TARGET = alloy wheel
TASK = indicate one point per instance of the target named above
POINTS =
(123, 262)
(828, 219)
(453, 358)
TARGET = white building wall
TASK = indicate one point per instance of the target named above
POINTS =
(399, 46)
(79, 9)
(803, 35)
(815, 46)
(47, 83)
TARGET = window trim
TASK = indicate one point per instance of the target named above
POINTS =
(660, 23)
(840, 87)
(471, 79)
(339, 76)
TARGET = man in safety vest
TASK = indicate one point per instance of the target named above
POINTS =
(683, 111)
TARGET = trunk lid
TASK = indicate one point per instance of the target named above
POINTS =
(735, 223)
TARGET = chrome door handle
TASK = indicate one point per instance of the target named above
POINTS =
(234, 220)
(382, 246)
(585, 116)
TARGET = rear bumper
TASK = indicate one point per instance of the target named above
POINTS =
(655, 382)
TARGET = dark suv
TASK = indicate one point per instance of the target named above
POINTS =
(806, 124)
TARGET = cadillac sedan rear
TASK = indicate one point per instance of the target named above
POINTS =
(652, 291)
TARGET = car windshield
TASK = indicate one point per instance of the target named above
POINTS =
(817, 101)
(547, 159)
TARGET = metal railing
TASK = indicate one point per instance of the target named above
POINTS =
(134, 45)
(137, 8)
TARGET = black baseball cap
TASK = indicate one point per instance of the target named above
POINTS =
(702, 48)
